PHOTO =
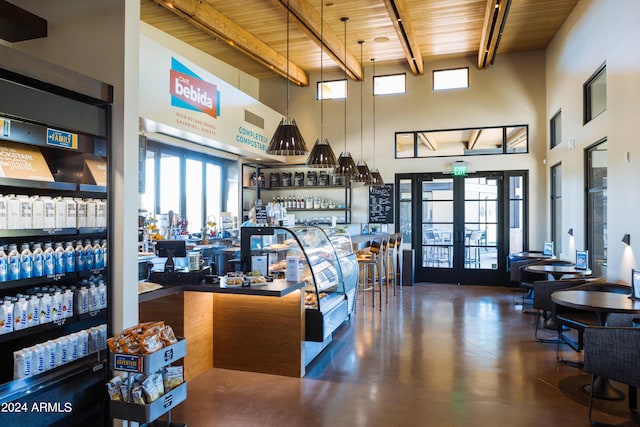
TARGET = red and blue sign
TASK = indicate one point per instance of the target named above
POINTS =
(190, 91)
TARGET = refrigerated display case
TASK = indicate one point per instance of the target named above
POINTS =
(322, 259)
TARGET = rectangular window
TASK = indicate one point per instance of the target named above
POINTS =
(335, 89)
(596, 167)
(387, 85)
(455, 78)
(148, 198)
(170, 185)
(555, 126)
(595, 94)
(194, 195)
(556, 207)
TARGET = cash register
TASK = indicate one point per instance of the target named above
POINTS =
(172, 274)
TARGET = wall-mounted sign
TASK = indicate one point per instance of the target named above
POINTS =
(459, 168)
(5, 127)
(62, 139)
(190, 91)
(381, 204)
(23, 162)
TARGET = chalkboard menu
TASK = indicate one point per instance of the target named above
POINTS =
(261, 214)
(381, 204)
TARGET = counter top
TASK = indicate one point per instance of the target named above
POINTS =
(277, 288)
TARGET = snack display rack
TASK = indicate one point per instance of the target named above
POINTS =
(148, 364)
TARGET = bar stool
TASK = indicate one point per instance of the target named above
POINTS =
(398, 260)
(390, 259)
(371, 264)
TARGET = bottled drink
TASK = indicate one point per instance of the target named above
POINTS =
(33, 304)
(102, 294)
(80, 256)
(26, 262)
(49, 260)
(67, 303)
(14, 262)
(59, 259)
(38, 260)
(97, 253)
(45, 307)
(83, 300)
(56, 305)
(104, 252)
(19, 313)
(4, 265)
(94, 299)
(88, 255)
(69, 258)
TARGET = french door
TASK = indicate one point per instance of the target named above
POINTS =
(459, 226)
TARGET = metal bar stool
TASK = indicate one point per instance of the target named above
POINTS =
(369, 264)
(390, 259)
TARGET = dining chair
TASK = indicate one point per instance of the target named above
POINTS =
(613, 353)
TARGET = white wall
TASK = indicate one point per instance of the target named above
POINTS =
(599, 31)
(99, 38)
(511, 92)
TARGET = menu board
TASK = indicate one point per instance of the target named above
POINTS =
(381, 204)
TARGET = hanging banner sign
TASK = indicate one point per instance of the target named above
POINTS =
(62, 139)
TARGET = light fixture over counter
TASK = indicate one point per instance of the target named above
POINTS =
(287, 139)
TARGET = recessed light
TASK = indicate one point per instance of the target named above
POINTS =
(381, 39)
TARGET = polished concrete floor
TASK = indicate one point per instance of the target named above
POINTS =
(436, 355)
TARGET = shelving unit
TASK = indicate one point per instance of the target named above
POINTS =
(38, 111)
(340, 195)
(148, 364)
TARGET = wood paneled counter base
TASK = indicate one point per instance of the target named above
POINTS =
(242, 329)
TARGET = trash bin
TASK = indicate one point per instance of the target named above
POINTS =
(407, 267)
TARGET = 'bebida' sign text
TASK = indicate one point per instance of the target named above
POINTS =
(191, 92)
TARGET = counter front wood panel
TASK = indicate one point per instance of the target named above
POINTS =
(190, 316)
(259, 334)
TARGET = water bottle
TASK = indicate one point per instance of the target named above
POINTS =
(26, 262)
(69, 258)
(80, 256)
(104, 252)
(38, 260)
(4, 265)
(97, 253)
(49, 260)
(89, 255)
(14, 262)
(59, 258)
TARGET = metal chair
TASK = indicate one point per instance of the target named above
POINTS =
(614, 353)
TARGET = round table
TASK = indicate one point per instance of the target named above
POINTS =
(531, 255)
(557, 271)
(603, 304)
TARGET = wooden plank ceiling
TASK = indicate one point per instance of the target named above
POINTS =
(406, 32)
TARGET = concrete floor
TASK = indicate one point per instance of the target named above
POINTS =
(436, 355)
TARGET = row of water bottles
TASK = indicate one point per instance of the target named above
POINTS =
(45, 212)
(42, 305)
(38, 261)
(48, 355)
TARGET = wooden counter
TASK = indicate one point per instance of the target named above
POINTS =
(256, 328)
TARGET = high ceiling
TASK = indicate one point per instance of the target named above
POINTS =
(251, 35)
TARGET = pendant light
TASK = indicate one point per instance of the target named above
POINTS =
(287, 139)
(376, 178)
(364, 175)
(322, 155)
(346, 165)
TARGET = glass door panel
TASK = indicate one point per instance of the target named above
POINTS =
(481, 210)
(437, 223)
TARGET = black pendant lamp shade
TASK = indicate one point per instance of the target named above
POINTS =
(346, 166)
(322, 155)
(376, 178)
(287, 140)
(364, 174)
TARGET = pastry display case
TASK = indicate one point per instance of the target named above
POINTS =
(306, 253)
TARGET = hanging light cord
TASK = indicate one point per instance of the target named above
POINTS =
(373, 76)
(346, 83)
(361, 82)
(321, 74)
(287, 118)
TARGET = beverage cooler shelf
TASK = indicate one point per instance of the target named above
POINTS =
(41, 185)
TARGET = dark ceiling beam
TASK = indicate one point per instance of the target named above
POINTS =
(495, 16)
(399, 14)
(17, 24)
(310, 21)
(212, 22)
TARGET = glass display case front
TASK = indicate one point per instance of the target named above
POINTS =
(302, 253)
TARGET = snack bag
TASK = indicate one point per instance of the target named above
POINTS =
(114, 388)
(172, 377)
(167, 336)
(150, 341)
